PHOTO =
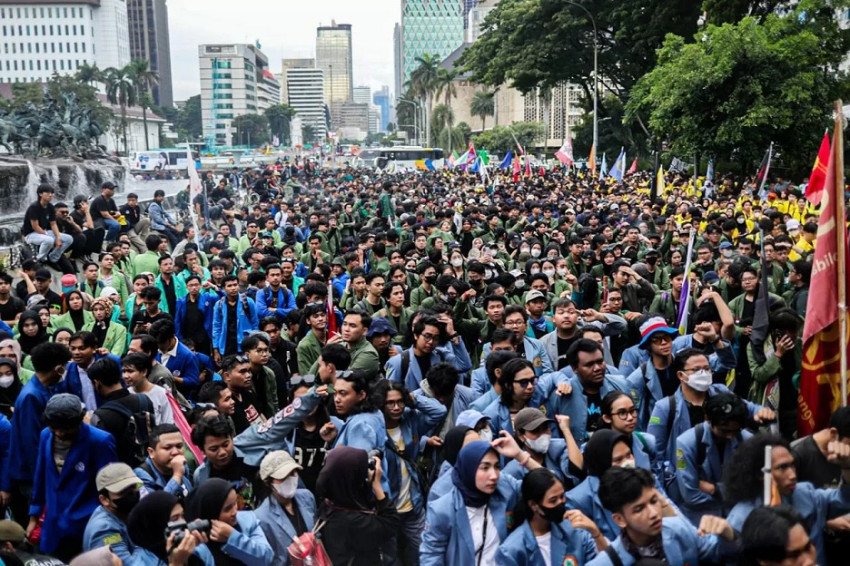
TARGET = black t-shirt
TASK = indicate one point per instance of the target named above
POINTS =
(424, 364)
(310, 451)
(594, 411)
(44, 215)
(102, 204)
(170, 294)
(246, 412)
(10, 309)
(132, 214)
(245, 480)
(231, 345)
(696, 413)
(668, 380)
(563, 346)
(812, 466)
(144, 317)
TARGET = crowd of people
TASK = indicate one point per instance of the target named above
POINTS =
(421, 368)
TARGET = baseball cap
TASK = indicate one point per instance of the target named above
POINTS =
(653, 326)
(470, 418)
(43, 274)
(11, 531)
(108, 292)
(277, 464)
(793, 224)
(116, 477)
(710, 277)
(108, 185)
(68, 280)
(380, 325)
(534, 296)
(724, 245)
(36, 300)
(530, 418)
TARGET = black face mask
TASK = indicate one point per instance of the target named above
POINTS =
(124, 505)
(430, 279)
(554, 514)
(651, 260)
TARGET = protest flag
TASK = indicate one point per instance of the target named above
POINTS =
(814, 190)
(764, 169)
(633, 169)
(565, 154)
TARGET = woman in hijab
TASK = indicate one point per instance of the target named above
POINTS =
(109, 335)
(467, 524)
(147, 523)
(11, 348)
(235, 538)
(10, 386)
(77, 316)
(456, 439)
(355, 506)
(31, 331)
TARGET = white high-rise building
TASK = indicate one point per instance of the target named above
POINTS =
(39, 38)
(306, 90)
(362, 95)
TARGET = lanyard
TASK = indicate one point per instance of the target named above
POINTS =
(480, 551)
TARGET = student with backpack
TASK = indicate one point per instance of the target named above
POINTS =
(128, 417)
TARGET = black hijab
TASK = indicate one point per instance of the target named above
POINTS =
(343, 481)
(148, 520)
(597, 451)
(29, 342)
(453, 443)
(206, 502)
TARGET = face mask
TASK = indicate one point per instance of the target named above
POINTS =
(549, 272)
(6, 381)
(700, 380)
(430, 279)
(486, 434)
(534, 271)
(562, 271)
(287, 488)
(651, 260)
(523, 250)
(539, 444)
(520, 284)
(124, 505)
(740, 220)
(628, 464)
(457, 262)
(554, 514)
(727, 253)
(535, 253)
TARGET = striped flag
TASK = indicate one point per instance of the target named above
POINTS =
(565, 154)
(685, 295)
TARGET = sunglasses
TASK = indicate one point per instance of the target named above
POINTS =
(300, 380)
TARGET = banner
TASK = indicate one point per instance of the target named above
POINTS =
(195, 189)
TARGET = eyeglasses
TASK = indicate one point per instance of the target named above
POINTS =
(396, 403)
(524, 383)
(661, 338)
(429, 338)
(300, 380)
(623, 413)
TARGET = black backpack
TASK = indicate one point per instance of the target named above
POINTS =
(133, 444)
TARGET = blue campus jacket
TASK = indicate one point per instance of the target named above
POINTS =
(815, 505)
(367, 431)
(454, 354)
(5, 441)
(105, 529)
(520, 548)
(248, 544)
(184, 364)
(75, 383)
(575, 404)
(461, 401)
(682, 545)
(70, 498)
(584, 498)
(447, 539)
(631, 359)
(694, 502)
(534, 352)
(480, 383)
(206, 302)
(415, 424)
(285, 302)
(557, 460)
(153, 480)
(278, 528)
(246, 322)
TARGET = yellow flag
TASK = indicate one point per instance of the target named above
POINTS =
(660, 188)
(591, 161)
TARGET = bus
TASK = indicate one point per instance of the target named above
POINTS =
(403, 158)
(174, 159)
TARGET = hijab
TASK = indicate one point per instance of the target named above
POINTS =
(597, 451)
(77, 317)
(453, 443)
(344, 480)
(148, 520)
(29, 342)
(206, 502)
(8, 395)
(465, 469)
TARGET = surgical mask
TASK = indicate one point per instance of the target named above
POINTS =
(549, 272)
(740, 220)
(520, 284)
(523, 250)
(486, 434)
(534, 270)
(287, 488)
(628, 464)
(539, 444)
(562, 271)
(7, 380)
(535, 252)
(700, 380)
(554, 514)
(457, 262)
(728, 252)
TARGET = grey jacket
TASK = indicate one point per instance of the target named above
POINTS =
(615, 326)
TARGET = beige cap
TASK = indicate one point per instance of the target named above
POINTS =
(277, 465)
(115, 478)
(11, 531)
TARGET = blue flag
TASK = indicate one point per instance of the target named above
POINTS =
(709, 173)
(603, 167)
(619, 166)
(507, 161)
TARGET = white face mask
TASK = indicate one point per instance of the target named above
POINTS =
(534, 271)
(539, 444)
(287, 488)
(549, 272)
(700, 380)
(520, 284)
(562, 271)
(535, 252)
(457, 262)
(523, 250)
(486, 434)
(6, 381)
(628, 464)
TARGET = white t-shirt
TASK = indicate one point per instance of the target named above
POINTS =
(405, 503)
(544, 543)
(161, 407)
(492, 542)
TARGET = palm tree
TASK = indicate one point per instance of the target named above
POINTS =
(144, 79)
(443, 123)
(121, 90)
(446, 84)
(423, 81)
(483, 104)
(88, 74)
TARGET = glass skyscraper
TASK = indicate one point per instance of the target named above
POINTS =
(333, 57)
(433, 27)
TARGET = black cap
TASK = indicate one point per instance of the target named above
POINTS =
(108, 185)
(43, 274)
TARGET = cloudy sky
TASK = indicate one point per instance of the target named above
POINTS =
(285, 29)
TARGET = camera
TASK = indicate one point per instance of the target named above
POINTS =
(373, 454)
(182, 527)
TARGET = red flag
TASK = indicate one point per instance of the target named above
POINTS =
(332, 327)
(633, 169)
(527, 166)
(517, 168)
(814, 190)
(820, 380)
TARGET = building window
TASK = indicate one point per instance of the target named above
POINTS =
(61, 64)
(66, 30)
(38, 65)
(84, 47)
(29, 47)
(36, 47)
(76, 47)
(28, 30)
(66, 14)
(224, 116)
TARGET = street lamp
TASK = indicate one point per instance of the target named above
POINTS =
(416, 128)
(595, 74)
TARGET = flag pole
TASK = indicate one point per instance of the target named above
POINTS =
(841, 234)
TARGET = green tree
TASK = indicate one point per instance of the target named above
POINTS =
(189, 119)
(308, 134)
(251, 129)
(442, 123)
(89, 74)
(483, 104)
(144, 79)
(279, 117)
(614, 133)
(746, 85)
(424, 81)
(500, 139)
(121, 90)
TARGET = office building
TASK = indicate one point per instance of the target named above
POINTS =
(285, 65)
(334, 58)
(362, 95)
(147, 21)
(382, 100)
(474, 19)
(433, 27)
(40, 38)
(398, 60)
(353, 121)
(235, 80)
(306, 95)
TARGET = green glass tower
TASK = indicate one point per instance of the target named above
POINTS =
(433, 27)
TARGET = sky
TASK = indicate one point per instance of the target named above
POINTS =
(285, 29)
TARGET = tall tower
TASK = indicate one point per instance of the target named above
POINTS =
(333, 57)
(147, 21)
(432, 27)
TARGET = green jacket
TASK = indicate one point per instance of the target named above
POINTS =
(147, 262)
(309, 349)
(401, 327)
(64, 321)
(116, 337)
(364, 357)
(419, 294)
(179, 291)
(764, 374)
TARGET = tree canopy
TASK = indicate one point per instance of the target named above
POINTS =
(500, 139)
